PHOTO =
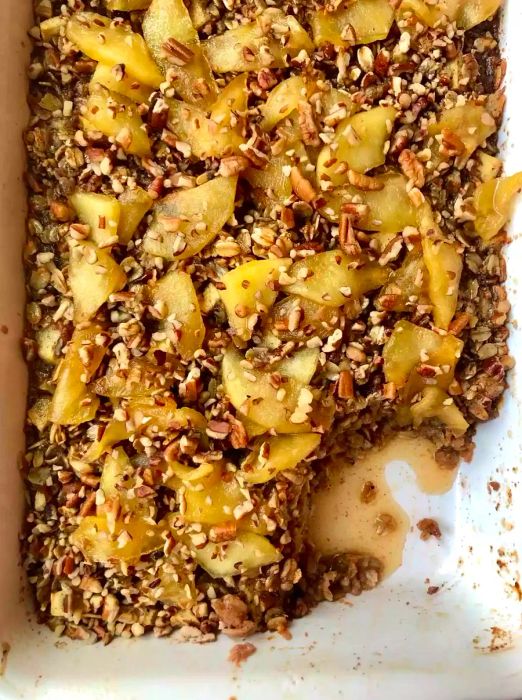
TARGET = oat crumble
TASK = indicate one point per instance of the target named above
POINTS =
(261, 235)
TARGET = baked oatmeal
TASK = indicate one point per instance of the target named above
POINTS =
(261, 235)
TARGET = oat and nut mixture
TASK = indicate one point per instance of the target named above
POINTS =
(261, 234)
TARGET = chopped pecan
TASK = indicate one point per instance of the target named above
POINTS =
(218, 429)
(347, 237)
(399, 142)
(241, 652)
(429, 528)
(266, 79)
(301, 186)
(238, 435)
(364, 182)
(355, 211)
(345, 385)
(224, 532)
(459, 323)
(307, 124)
(233, 613)
(254, 149)
(233, 165)
(176, 52)
(88, 505)
(451, 143)
(412, 167)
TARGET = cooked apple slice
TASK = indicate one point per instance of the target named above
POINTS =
(410, 345)
(117, 117)
(460, 131)
(249, 291)
(115, 431)
(297, 318)
(186, 221)
(205, 136)
(253, 394)
(134, 204)
(282, 101)
(435, 403)
(245, 554)
(388, 209)
(213, 504)
(115, 467)
(277, 454)
(469, 14)
(444, 265)
(407, 286)
(174, 43)
(125, 543)
(233, 99)
(332, 278)
(113, 43)
(176, 300)
(272, 181)
(199, 12)
(254, 45)
(115, 79)
(127, 5)
(358, 145)
(140, 378)
(427, 13)
(493, 202)
(93, 276)
(179, 475)
(489, 167)
(101, 212)
(466, 14)
(73, 401)
(161, 415)
(359, 22)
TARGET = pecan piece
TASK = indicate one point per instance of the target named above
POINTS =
(347, 238)
(224, 532)
(412, 167)
(241, 652)
(301, 186)
(345, 385)
(238, 435)
(307, 124)
(364, 182)
(233, 165)
(176, 52)
(451, 143)
(429, 528)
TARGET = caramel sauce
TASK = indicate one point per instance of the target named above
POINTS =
(347, 515)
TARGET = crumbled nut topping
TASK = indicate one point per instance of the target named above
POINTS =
(223, 260)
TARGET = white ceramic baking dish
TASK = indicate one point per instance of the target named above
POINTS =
(463, 643)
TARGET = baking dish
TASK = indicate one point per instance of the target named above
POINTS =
(463, 642)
